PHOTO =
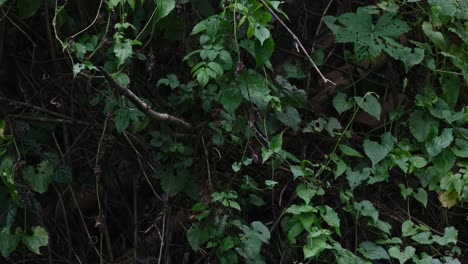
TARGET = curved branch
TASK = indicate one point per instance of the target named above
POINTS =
(144, 107)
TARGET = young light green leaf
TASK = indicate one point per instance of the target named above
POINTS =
(261, 33)
(123, 51)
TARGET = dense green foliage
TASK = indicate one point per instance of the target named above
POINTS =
(191, 132)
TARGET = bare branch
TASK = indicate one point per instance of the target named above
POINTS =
(296, 39)
(142, 105)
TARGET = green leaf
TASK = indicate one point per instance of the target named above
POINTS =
(422, 125)
(331, 217)
(376, 151)
(296, 209)
(439, 143)
(435, 36)
(263, 52)
(404, 256)
(450, 236)
(314, 247)
(230, 98)
(370, 104)
(254, 88)
(341, 103)
(39, 177)
(276, 143)
(77, 68)
(8, 242)
(290, 117)
(421, 196)
(423, 238)
(203, 77)
(408, 229)
(460, 149)
(355, 178)
(305, 193)
(123, 51)
(39, 238)
(164, 8)
(450, 84)
(122, 78)
(196, 237)
(28, 8)
(369, 40)
(270, 184)
(372, 251)
(366, 208)
(349, 151)
(121, 119)
(261, 33)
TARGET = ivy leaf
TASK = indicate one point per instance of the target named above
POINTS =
(355, 178)
(254, 89)
(305, 193)
(439, 143)
(423, 238)
(263, 52)
(402, 256)
(349, 151)
(28, 8)
(8, 242)
(276, 144)
(341, 103)
(230, 98)
(197, 237)
(290, 118)
(314, 247)
(261, 33)
(450, 236)
(331, 217)
(372, 251)
(38, 239)
(370, 104)
(422, 125)
(366, 208)
(460, 149)
(450, 84)
(421, 196)
(39, 177)
(377, 152)
(164, 8)
(121, 119)
(123, 51)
